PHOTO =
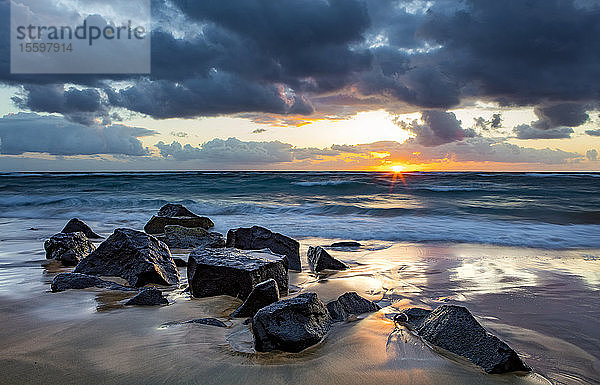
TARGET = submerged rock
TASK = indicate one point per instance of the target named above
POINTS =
(75, 225)
(350, 303)
(319, 259)
(175, 214)
(69, 248)
(207, 321)
(454, 328)
(233, 272)
(291, 325)
(138, 257)
(257, 238)
(346, 244)
(263, 294)
(200, 321)
(65, 281)
(180, 237)
(149, 296)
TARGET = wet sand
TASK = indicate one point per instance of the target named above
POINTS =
(545, 304)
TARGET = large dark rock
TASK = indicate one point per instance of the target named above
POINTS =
(69, 248)
(291, 325)
(346, 244)
(257, 238)
(65, 281)
(350, 303)
(75, 225)
(454, 328)
(319, 259)
(233, 272)
(138, 257)
(149, 296)
(179, 237)
(263, 294)
(175, 214)
(175, 210)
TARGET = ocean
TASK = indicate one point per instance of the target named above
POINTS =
(541, 210)
(519, 250)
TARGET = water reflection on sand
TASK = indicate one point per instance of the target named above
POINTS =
(543, 303)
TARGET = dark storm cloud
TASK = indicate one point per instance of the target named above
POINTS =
(438, 127)
(81, 106)
(525, 131)
(565, 114)
(216, 57)
(29, 132)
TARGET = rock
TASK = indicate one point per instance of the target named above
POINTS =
(350, 303)
(175, 210)
(149, 296)
(207, 321)
(263, 294)
(179, 237)
(65, 281)
(454, 328)
(156, 225)
(233, 272)
(180, 262)
(68, 248)
(201, 321)
(138, 257)
(257, 238)
(175, 214)
(291, 325)
(75, 225)
(319, 259)
(346, 244)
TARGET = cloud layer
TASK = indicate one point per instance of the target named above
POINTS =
(29, 132)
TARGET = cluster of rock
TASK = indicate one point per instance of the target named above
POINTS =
(251, 264)
(454, 329)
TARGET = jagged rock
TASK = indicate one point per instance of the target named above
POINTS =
(319, 259)
(65, 281)
(350, 303)
(175, 214)
(179, 237)
(69, 248)
(263, 294)
(75, 225)
(233, 272)
(149, 296)
(346, 244)
(138, 257)
(454, 328)
(175, 210)
(291, 325)
(257, 238)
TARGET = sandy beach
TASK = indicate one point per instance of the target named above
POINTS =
(543, 303)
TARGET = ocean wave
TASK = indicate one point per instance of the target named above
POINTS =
(423, 229)
(324, 183)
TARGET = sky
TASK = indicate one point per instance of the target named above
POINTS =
(375, 85)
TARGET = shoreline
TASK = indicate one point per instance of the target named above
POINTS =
(525, 296)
